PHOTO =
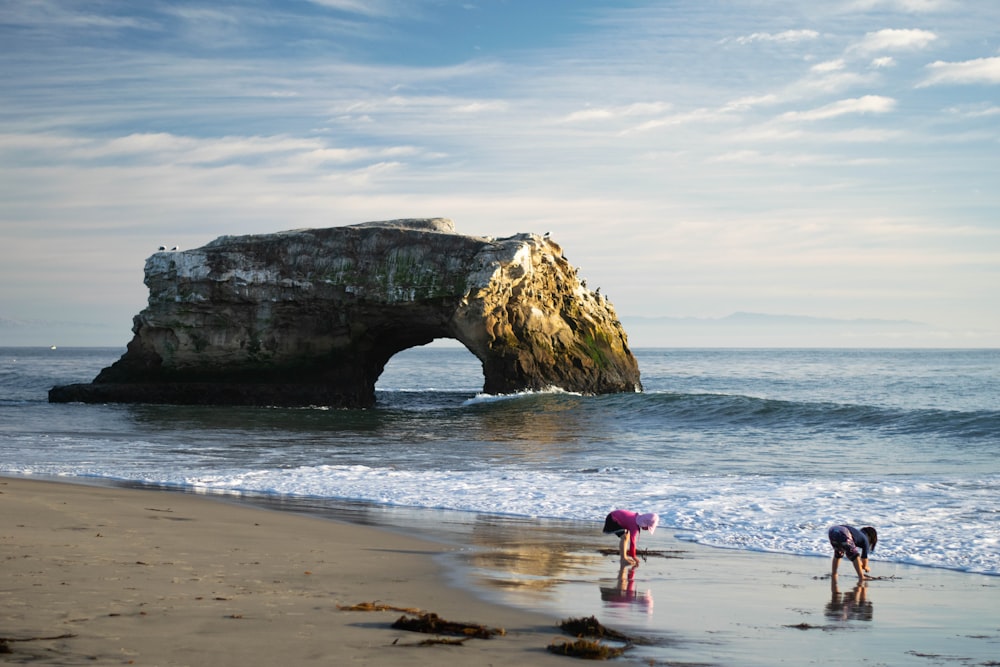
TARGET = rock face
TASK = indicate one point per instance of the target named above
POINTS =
(311, 317)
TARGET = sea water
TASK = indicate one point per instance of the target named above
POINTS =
(748, 449)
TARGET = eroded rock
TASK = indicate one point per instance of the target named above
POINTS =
(311, 317)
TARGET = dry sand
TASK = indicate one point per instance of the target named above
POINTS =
(161, 578)
(106, 576)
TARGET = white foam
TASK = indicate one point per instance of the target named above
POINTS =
(494, 398)
(916, 519)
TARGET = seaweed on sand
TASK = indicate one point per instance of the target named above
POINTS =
(591, 627)
(645, 554)
(591, 649)
(431, 623)
(5, 641)
(437, 641)
(586, 649)
(378, 606)
(868, 577)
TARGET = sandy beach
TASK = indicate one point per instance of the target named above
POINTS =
(98, 575)
(106, 576)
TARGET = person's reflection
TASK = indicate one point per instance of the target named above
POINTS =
(624, 593)
(850, 605)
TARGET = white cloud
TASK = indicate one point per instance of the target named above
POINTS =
(203, 14)
(911, 6)
(480, 107)
(694, 116)
(830, 83)
(162, 148)
(792, 159)
(883, 62)
(607, 113)
(745, 103)
(981, 70)
(786, 36)
(829, 66)
(782, 133)
(47, 14)
(363, 7)
(895, 40)
(866, 104)
(981, 111)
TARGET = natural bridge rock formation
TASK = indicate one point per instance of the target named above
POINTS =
(310, 317)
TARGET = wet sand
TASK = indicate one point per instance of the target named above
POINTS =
(705, 606)
(166, 578)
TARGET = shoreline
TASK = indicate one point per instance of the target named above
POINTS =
(696, 604)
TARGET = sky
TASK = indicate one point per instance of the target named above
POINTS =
(834, 161)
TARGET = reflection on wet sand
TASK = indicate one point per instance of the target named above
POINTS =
(852, 605)
(514, 553)
(624, 593)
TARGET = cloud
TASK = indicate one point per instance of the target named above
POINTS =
(910, 6)
(891, 39)
(882, 62)
(783, 133)
(792, 159)
(751, 101)
(866, 104)
(980, 70)
(829, 66)
(831, 82)
(693, 116)
(44, 14)
(785, 37)
(480, 107)
(164, 149)
(608, 113)
(363, 7)
(979, 111)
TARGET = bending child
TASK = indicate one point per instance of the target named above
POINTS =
(626, 525)
(847, 540)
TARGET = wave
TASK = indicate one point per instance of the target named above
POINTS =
(699, 410)
(526, 394)
(694, 410)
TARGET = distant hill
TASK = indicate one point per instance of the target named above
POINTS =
(765, 319)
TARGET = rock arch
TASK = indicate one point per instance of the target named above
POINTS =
(311, 317)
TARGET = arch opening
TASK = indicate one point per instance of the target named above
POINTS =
(444, 366)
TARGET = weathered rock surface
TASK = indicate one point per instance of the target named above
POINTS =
(310, 317)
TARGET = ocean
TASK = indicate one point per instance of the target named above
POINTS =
(749, 449)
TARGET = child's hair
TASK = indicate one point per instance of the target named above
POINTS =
(872, 536)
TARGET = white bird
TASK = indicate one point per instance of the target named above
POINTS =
(162, 248)
(174, 248)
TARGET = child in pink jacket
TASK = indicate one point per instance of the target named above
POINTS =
(626, 525)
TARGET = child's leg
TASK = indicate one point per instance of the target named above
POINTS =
(623, 548)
